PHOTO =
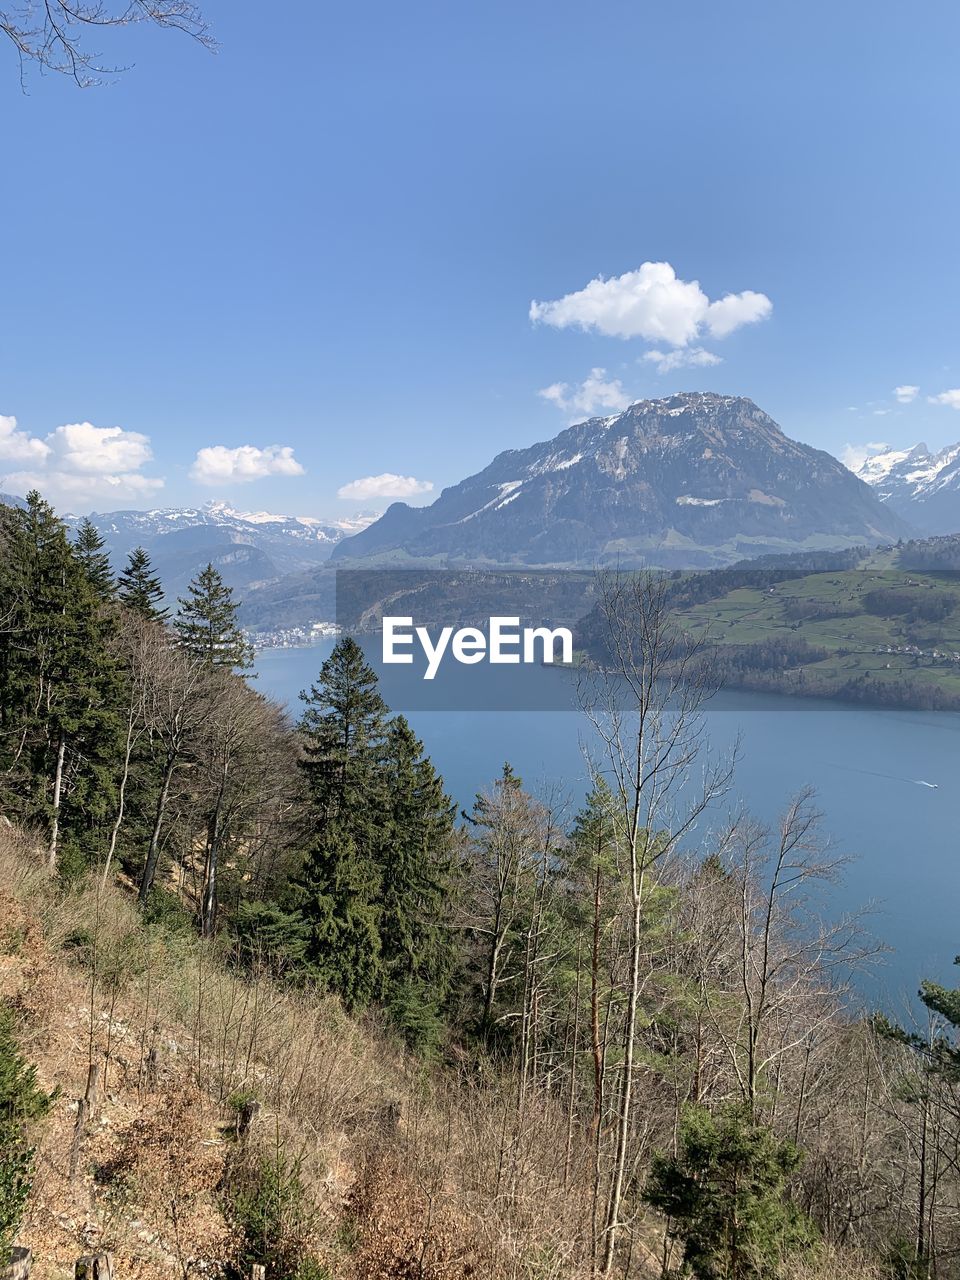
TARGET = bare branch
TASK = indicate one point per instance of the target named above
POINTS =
(50, 34)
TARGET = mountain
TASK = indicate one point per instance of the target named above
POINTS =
(920, 486)
(693, 480)
(248, 548)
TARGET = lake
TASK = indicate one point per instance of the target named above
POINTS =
(869, 768)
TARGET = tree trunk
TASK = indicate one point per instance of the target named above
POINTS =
(626, 1094)
(208, 905)
(153, 852)
(57, 789)
(922, 1182)
(596, 1045)
(121, 799)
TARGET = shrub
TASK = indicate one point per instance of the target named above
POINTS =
(269, 1209)
(725, 1191)
(21, 1100)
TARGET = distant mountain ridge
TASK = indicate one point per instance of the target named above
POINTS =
(249, 548)
(921, 486)
(692, 480)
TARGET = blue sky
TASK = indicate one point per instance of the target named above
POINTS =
(320, 246)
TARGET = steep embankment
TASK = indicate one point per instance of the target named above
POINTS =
(360, 1164)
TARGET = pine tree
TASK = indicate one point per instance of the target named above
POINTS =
(725, 1194)
(140, 589)
(338, 890)
(336, 898)
(592, 907)
(21, 1100)
(343, 726)
(943, 1053)
(206, 623)
(937, 1056)
(418, 871)
(88, 546)
(59, 692)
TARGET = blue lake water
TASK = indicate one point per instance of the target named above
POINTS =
(868, 767)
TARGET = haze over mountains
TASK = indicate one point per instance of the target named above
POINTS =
(921, 486)
(693, 480)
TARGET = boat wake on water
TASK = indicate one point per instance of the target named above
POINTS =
(890, 777)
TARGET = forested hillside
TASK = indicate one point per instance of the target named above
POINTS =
(268, 999)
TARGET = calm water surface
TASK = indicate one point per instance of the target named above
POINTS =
(868, 768)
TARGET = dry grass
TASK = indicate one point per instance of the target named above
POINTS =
(409, 1174)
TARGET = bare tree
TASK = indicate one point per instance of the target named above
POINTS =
(510, 837)
(175, 712)
(792, 967)
(139, 643)
(51, 33)
(645, 703)
(243, 784)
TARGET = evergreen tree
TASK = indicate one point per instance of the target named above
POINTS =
(338, 891)
(725, 1194)
(937, 1055)
(88, 547)
(140, 589)
(206, 623)
(59, 685)
(21, 1100)
(343, 727)
(418, 869)
(944, 1051)
(336, 897)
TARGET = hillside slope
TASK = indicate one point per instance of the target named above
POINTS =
(357, 1162)
(380, 1168)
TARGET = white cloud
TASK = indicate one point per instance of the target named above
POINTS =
(682, 358)
(652, 303)
(734, 310)
(950, 398)
(386, 485)
(594, 393)
(853, 456)
(216, 464)
(906, 393)
(17, 446)
(82, 448)
(78, 463)
(83, 490)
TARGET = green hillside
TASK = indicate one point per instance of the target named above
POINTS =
(875, 634)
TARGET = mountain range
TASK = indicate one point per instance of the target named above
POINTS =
(921, 486)
(249, 548)
(693, 480)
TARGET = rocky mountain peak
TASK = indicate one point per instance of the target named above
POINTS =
(690, 479)
(921, 486)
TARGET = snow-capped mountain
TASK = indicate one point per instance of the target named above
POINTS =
(247, 547)
(694, 479)
(922, 487)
